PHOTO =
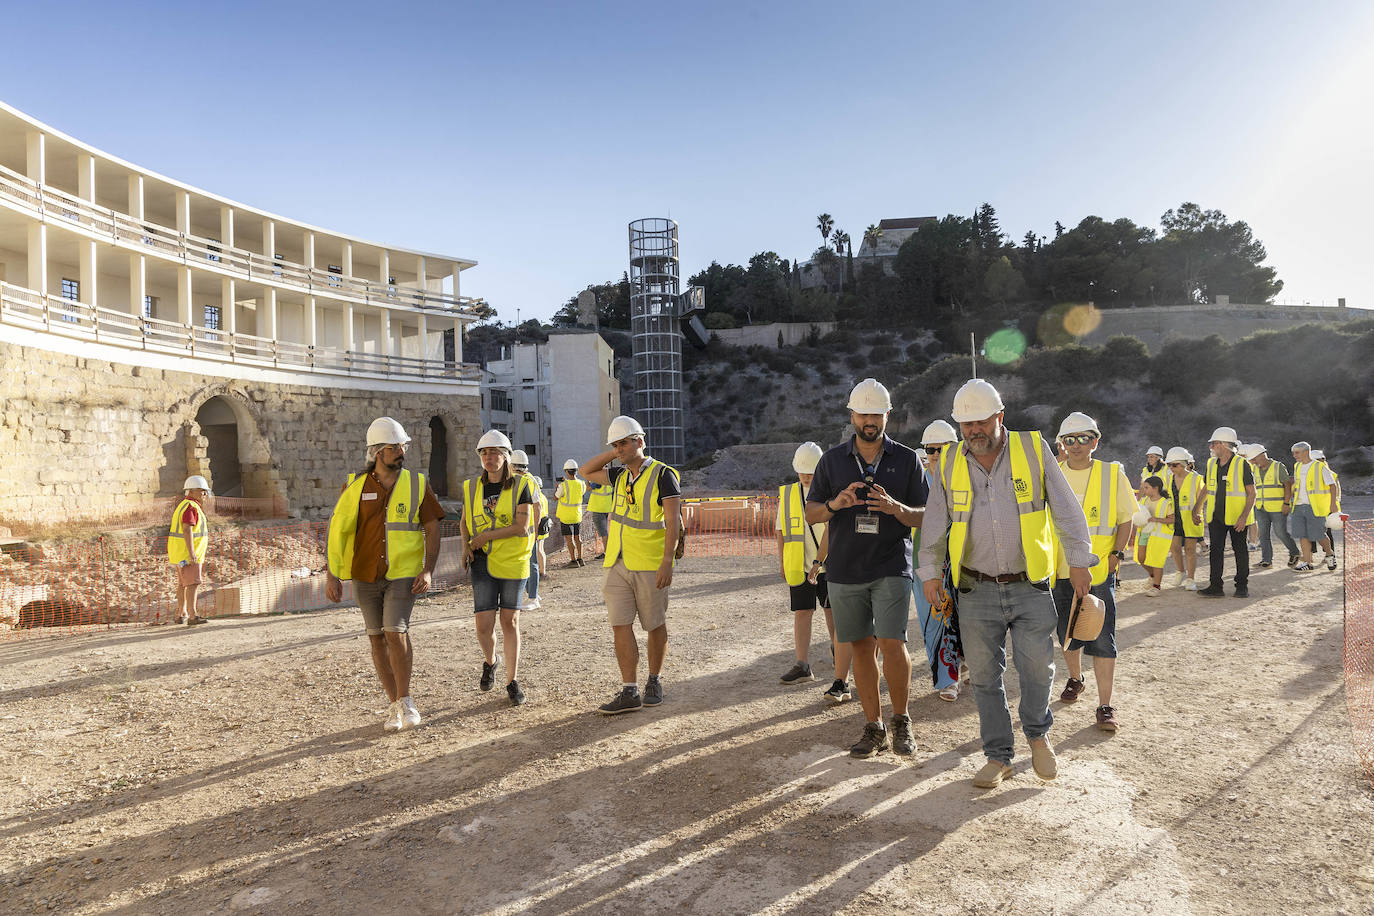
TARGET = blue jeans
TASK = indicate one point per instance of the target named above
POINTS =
(532, 582)
(1279, 523)
(987, 610)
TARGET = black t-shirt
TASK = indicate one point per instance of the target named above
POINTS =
(491, 492)
(1247, 480)
(667, 482)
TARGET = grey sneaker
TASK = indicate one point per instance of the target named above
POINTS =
(628, 700)
(874, 741)
(653, 691)
(838, 692)
(799, 672)
(902, 740)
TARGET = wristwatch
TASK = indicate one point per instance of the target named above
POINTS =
(1119, 554)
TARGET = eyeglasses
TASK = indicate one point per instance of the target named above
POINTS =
(1078, 439)
(934, 449)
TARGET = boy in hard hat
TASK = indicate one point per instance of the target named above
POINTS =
(871, 490)
(1108, 501)
(801, 561)
(1229, 496)
(384, 537)
(645, 522)
(188, 542)
(569, 494)
(997, 483)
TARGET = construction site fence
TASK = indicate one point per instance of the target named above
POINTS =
(123, 579)
(1358, 649)
(159, 512)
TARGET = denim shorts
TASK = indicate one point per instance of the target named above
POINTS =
(490, 593)
(879, 608)
(1104, 646)
(1303, 524)
(386, 604)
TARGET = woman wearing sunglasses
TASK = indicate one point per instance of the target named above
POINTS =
(1185, 487)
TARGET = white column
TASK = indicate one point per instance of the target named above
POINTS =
(457, 341)
(86, 248)
(36, 162)
(269, 315)
(420, 279)
(384, 257)
(309, 251)
(38, 258)
(136, 197)
(226, 227)
(423, 335)
(347, 264)
(384, 339)
(350, 344)
(184, 295)
(456, 271)
(184, 212)
(85, 177)
(138, 283)
(311, 319)
(228, 310)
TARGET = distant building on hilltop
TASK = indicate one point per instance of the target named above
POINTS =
(893, 233)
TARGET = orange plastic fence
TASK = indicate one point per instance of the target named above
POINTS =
(120, 580)
(1359, 637)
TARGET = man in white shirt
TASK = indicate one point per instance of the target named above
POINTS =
(1313, 484)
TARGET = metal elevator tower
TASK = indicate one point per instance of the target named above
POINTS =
(656, 337)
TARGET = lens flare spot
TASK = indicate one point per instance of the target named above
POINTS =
(1004, 346)
(1082, 320)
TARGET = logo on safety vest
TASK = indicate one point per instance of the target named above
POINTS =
(1093, 514)
(401, 509)
(1020, 485)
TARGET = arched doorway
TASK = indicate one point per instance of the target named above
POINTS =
(219, 426)
(438, 456)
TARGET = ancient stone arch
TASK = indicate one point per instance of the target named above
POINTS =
(260, 478)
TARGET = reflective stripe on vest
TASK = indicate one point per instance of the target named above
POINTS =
(1318, 490)
(793, 533)
(507, 557)
(1268, 490)
(1100, 493)
(601, 499)
(637, 529)
(1028, 483)
(405, 536)
(1235, 488)
(176, 535)
(1161, 537)
(570, 506)
(1187, 495)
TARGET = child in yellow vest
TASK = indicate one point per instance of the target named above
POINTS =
(1155, 524)
(188, 542)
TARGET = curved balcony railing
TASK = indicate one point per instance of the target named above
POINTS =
(46, 201)
(25, 308)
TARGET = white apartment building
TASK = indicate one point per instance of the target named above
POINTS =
(555, 399)
(101, 259)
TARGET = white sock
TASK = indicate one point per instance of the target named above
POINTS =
(634, 687)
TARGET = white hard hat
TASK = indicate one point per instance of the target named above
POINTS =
(538, 481)
(1078, 422)
(1318, 454)
(493, 438)
(806, 457)
(1225, 434)
(938, 433)
(621, 427)
(518, 457)
(570, 465)
(1252, 450)
(870, 396)
(386, 431)
(1178, 453)
(1335, 520)
(196, 482)
(1152, 450)
(976, 400)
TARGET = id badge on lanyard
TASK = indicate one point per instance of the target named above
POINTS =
(867, 522)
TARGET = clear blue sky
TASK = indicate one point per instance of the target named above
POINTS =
(527, 136)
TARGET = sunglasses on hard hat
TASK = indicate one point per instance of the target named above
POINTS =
(1077, 439)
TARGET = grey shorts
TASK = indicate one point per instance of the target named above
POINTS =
(879, 608)
(385, 604)
(1306, 526)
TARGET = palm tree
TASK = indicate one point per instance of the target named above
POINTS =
(825, 222)
(841, 239)
(872, 235)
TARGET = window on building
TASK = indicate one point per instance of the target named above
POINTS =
(500, 400)
(149, 306)
(608, 400)
(527, 380)
(529, 416)
(71, 291)
(529, 450)
(212, 321)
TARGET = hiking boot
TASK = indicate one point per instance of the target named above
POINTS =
(1106, 719)
(394, 721)
(992, 774)
(410, 716)
(838, 692)
(799, 672)
(488, 676)
(1043, 761)
(1211, 591)
(653, 691)
(1072, 690)
(874, 741)
(627, 700)
(517, 696)
(902, 740)
(1242, 591)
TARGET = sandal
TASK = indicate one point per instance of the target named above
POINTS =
(950, 693)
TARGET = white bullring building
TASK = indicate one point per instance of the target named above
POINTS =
(149, 329)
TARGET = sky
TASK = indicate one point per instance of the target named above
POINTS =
(527, 136)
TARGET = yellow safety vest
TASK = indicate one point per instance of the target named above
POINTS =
(1028, 482)
(570, 506)
(1158, 542)
(793, 533)
(1146, 473)
(601, 499)
(1335, 500)
(1099, 495)
(507, 557)
(405, 538)
(1268, 489)
(1187, 496)
(1318, 490)
(1235, 488)
(176, 536)
(637, 529)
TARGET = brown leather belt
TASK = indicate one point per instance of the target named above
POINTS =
(1003, 579)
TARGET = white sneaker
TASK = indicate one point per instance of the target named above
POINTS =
(393, 721)
(1177, 579)
(1189, 585)
(530, 604)
(1152, 591)
(410, 716)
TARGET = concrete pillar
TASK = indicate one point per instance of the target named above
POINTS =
(135, 210)
(456, 271)
(36, 161)
(228, 311)
(350, 344)
(184, 295)
(38, 258)
(309, 256)
(184, 212)
(138, 283)
(347, 264)
(226, 227)
(269, 316)
(85, 177)
(423, 336)
(384, 339)
(311, 319)
(420, 279)
(86, 250)
(457, 341)
(385, 273)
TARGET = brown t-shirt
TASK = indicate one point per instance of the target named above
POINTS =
(369, 544)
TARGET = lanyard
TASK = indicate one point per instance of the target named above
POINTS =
(869, 472)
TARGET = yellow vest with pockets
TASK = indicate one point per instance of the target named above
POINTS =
(1318, 490)
(1100, 494)
(793, 533)
(637, 529)
(405, 538)
(508, 557)
(570, 506)
(176, 535)
(1159, 541)
(1187, 496)
(601, 499)
(1235, 489)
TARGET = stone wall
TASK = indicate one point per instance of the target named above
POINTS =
(1157, 325)
(91, 439)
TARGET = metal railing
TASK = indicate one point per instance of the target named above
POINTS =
(25, 308)
(50, 203)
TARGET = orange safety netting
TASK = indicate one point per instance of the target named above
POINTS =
(1358, 568)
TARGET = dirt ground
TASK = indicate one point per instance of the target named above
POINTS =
(242, 767)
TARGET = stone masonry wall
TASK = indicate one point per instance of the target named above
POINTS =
(90, 439)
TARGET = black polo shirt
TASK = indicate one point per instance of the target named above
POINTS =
(858, 558)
